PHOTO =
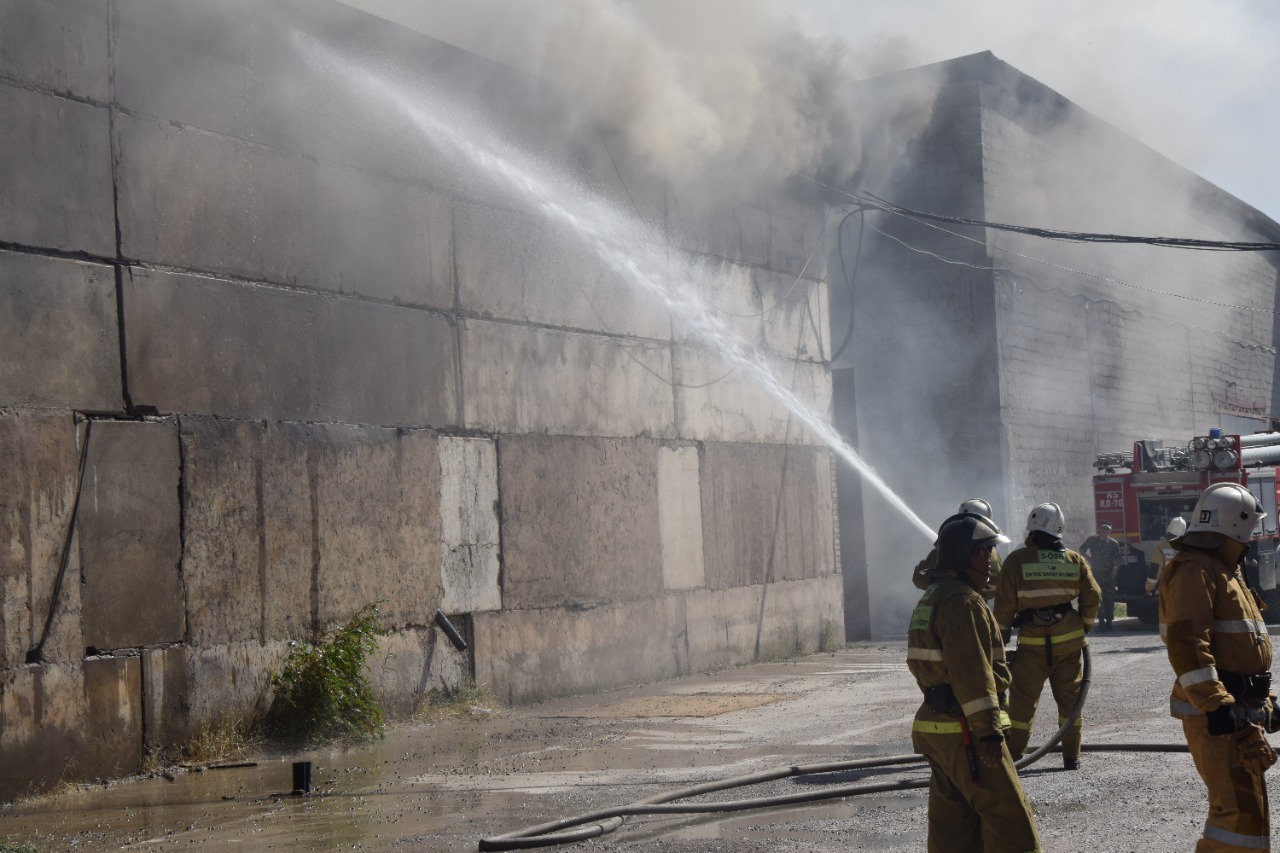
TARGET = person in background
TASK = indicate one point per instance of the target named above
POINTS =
(1038, 593)
(1103, 553)
(1220, 652)
(954, 650)
(977, 506)
(1164, 552)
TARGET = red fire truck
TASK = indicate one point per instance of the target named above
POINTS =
(1139, 492)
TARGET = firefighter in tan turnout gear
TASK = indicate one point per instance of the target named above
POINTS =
(976, 802)
(1038, 593)
(977, 506)
(1221, 656)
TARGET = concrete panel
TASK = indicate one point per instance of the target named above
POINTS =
(579, 521)
(232, 682)
(39, 459)
(725, 308)
(797, 324)
(747, 539)
(113, 716)
(42, 713)
(289, 489)
(214, 204)
(198, 345)
(378, 524)
(722, 400)
(680, 517)
(798, 615)
(61, 47)
(164, 680)
(130, 542)
(531, 655)
(470, 537)
(410, 665)
(512, 268)
(56, 174)
(59, 339)
(520, 379)
(223, 564)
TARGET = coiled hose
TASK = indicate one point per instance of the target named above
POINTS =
(595, 824)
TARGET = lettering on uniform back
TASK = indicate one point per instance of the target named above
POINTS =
(920, 617)
(1051, 566)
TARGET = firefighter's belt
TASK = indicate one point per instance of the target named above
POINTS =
(1246, 688)
(1024, 640)
(1042, 616)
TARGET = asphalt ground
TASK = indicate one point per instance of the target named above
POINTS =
(442, 786)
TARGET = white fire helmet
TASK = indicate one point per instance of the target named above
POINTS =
(1046, 518)
(1177, 527)
(1226, 508)
(979, 507)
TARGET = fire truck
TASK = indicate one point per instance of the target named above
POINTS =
(1140, 492)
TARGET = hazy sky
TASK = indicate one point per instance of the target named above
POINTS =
(1197, 81)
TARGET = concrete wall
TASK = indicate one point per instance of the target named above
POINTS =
(1000, 365)
(319, 360)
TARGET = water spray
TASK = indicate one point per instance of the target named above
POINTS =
(625, 245)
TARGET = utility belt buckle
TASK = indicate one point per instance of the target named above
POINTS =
(1252, 690)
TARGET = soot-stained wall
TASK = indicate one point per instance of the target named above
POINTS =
(993, 364)
(319, 358)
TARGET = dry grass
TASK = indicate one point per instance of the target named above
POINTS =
(226, 739)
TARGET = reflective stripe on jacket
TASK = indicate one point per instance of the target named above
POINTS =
(1033, 578)
(953, 639)
(1209, 620)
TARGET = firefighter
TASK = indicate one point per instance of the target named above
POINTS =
(1164, 552)
(1103, 553)
(1038, 592)
(1221, 657)
(920, 577)
(954, 650)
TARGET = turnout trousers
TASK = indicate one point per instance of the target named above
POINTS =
(1031, 669)
(993, 817)
(1239, 816)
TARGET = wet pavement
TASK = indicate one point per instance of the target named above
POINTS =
(445, 785)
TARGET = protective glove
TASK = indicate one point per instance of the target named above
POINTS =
(1271, 712)
(1226, 719)
(1253, 753)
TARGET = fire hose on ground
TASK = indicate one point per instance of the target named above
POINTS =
(595, 824)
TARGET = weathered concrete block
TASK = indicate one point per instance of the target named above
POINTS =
(721, 399)
(164, 697)
(223, 564)
(231, 682)
(470, 535)
(42, 736)
(536, 274)
(410, 664)
(61, 47)
(378, 524)
(59, 346)
(531, 655)
(747, 539)
(39, 459)
(130, 542)
(527, 380)
(680, 517)
(113, 716)
(56, 173)
(797, 324)
(724, 625)
(290, 492)
(214, 204)
(722, 308)
(197, 345)
(579, 520)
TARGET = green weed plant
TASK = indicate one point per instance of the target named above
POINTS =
(323, 693)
